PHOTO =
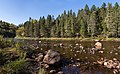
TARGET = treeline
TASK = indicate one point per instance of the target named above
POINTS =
(101, 21)
(7, 30)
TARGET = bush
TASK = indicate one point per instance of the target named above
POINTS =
(4, 43)
(16, 67)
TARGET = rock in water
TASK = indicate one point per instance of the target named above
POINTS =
(98, 45)
(39, 58)
(51, 57)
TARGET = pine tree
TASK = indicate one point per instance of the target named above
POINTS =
(79, 18)
(86, 18)
(73, 24)
(92, 25)
(34, 22)
(118, 30)
(31, 27)
(57, 22)
(83, 28)
(53, 28)
(109, 20)
(102, 15)
(116, 19)
(42, 27)
(48, 24)
(26, 27)
(62, 25)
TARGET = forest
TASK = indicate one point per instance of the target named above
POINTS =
(7, 30)
(101, 21)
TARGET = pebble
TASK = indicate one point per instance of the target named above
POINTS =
(46, 66)
(77, 51)
(100, 51)
(60, 72)
(116, 53)
(39, 41)
(76, 44)
(78, 59)
(52, 71)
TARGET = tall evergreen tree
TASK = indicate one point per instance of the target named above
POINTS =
(92, 26)
(108, 20)
(53, 28)
(31, 27)
(48, 24)
(102, 15)
(83, 28)
(26, 27)
(57, 22)
(42, 27)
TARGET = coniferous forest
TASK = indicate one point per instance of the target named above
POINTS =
(88, 22)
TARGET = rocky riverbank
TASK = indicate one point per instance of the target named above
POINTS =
(61, 57)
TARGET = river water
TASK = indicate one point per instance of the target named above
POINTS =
(81, 52)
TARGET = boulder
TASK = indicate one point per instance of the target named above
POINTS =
(98, 45)
(51, 57)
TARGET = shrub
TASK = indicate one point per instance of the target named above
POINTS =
(4, 43)
(16, 67)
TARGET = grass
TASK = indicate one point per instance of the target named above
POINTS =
(71, 39)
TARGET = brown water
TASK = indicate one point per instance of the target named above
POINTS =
(73, 51)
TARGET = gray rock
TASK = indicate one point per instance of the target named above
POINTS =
(98, 45)
(51, 57)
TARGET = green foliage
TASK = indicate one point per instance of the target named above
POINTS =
(16, 67)
(83, 29)
(6, 42)
(4, 57)
(20, 32)
(7, 29)
(13, 61)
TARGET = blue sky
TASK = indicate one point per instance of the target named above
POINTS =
(19, 11)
